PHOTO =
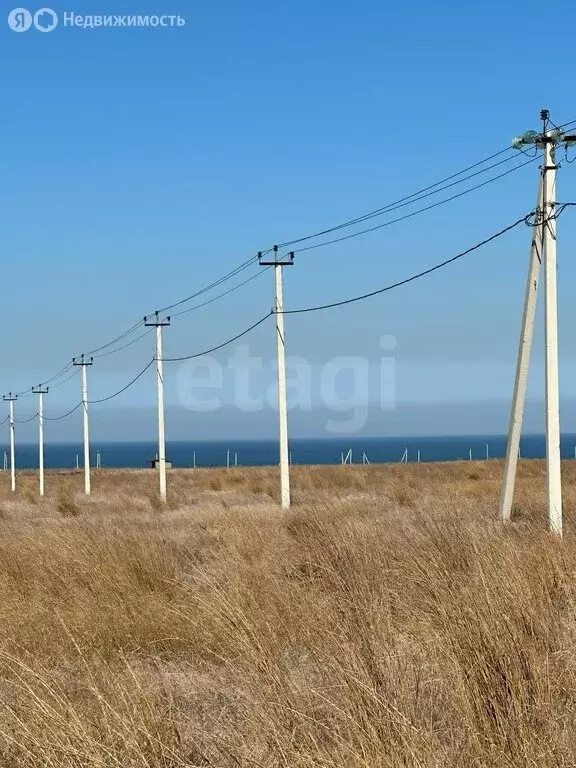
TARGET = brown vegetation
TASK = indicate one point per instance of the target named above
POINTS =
(387, 620)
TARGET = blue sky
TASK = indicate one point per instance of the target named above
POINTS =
(140, 164)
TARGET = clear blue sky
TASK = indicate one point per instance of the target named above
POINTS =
(138, 165)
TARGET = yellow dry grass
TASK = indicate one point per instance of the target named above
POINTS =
(387, 620)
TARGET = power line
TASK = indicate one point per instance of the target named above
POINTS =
(25, 421)
(58, 375)
(566, 125)
(122, 336)
(391, 206)
(220, 346)
(420, 194)
(120, 391)
(220, 295)
(248, 262)
(240, 268)
(29, 393)
(261, 320)
(26, 392)
(409, 199)
(65, 416)
(418, 211)
(124, 346)
(133, 328)
(66, 380)
(408, 279)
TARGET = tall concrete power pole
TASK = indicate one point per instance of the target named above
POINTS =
(278, 265)
(156, 322)
(40, 391)
(543, 250)
(84, 362)
(12, 399)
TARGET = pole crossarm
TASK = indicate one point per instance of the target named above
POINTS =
(154, 321)
(539, 139)
(276, 262)
(82, 360)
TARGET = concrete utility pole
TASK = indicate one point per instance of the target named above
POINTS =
(278, 264)
(554, 482)
(155, 322)
(40, 392)
(84, 362)
(543, 247)
(524, 350)
(12, 399)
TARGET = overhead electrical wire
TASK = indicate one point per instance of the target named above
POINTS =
(524, 219)
(418, 275)
(388, 208)
(403, 202)
(30, 393)
(58, 375)
(406, 280)
(217, 283)
(27, 392)
(409, 199)
(220, 295)
(122, 336)
(562, 126)
(102, 399)
(418, 211)
(120, 391)
(66, 380)
(64, 416)
(95, 352)
(220, 346)
(25, 421)
(253, 260)
(421, 194)
(124, 346)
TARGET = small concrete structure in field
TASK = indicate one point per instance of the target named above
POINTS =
(154, 463)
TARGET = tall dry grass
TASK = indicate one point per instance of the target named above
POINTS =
(387, 620)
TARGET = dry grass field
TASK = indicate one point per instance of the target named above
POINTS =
(387, 620)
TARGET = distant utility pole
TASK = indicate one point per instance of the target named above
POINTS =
(278, 264)
(84, 362)
(543, 248)
(41, 392)
(12, 399)
(155, 322)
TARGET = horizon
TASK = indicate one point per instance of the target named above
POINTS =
(140, 191)
(274, 440)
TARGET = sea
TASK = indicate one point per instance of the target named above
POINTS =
(352, 450)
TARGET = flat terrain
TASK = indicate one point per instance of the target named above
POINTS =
(387, 620)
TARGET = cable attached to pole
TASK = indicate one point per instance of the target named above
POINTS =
(418, 211)
(220, 346)
(120, 391)
(421, 194)
(410, 279)
(26, 421)
(64, 416)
